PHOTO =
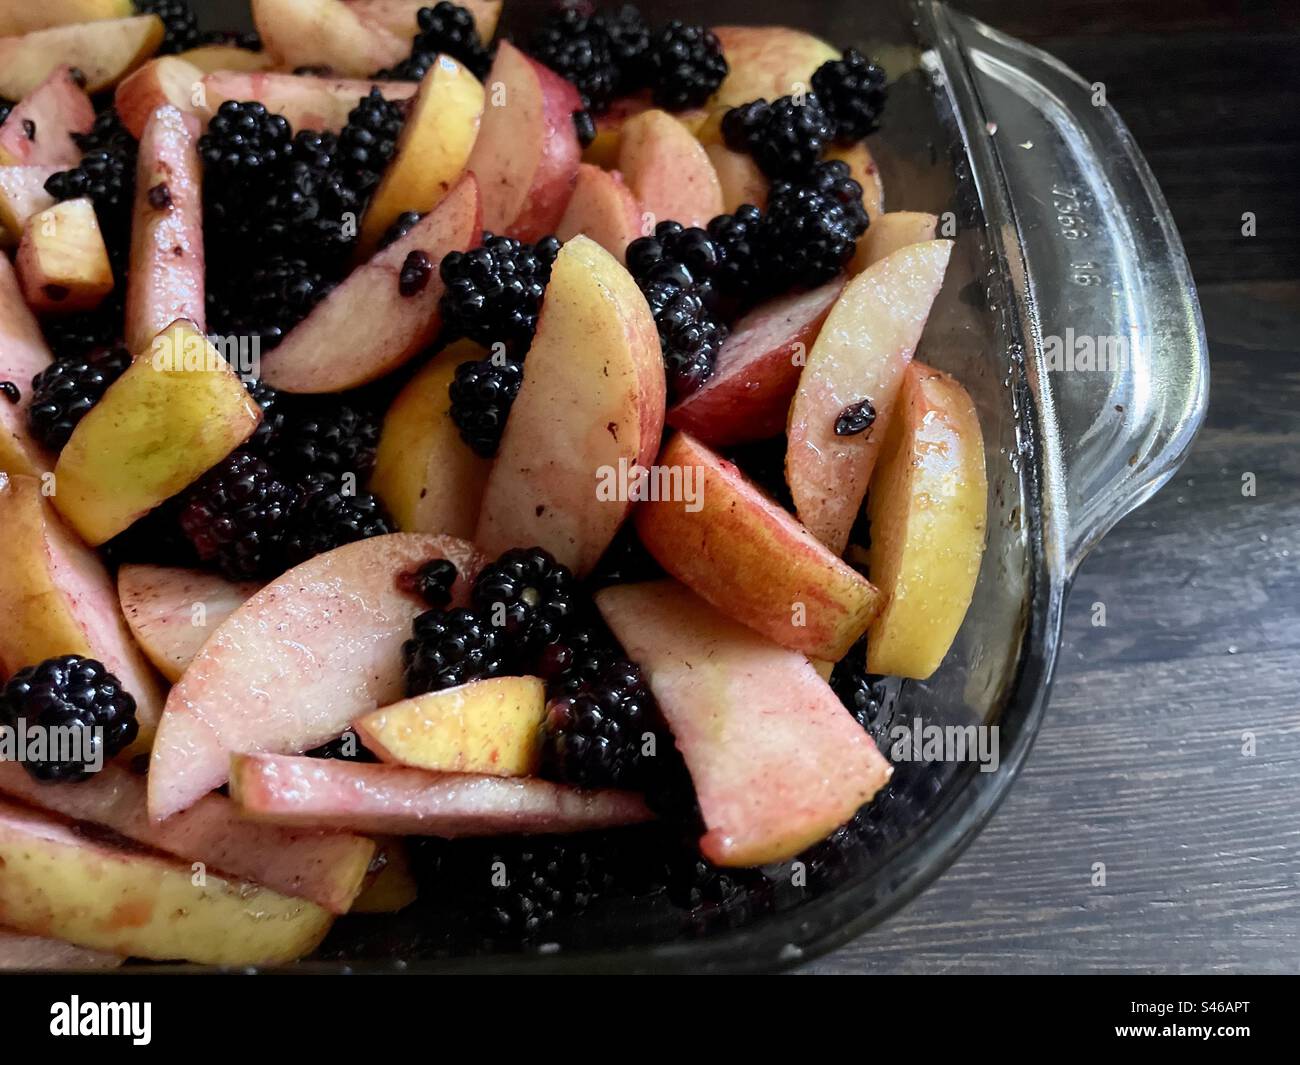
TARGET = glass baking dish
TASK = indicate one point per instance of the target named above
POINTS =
(1064, 246)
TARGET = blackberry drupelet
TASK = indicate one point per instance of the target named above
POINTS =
(530, 596)
(432, 582)
(451, 647)
(368, 141)
(716, 897)
(107, 134)
(594, 738)
(786, 138)
(108, 178)
(735, 237)
(672, 249)
(64, 392)
(862, 693)
(346, 748)
(180, 26)
(267, 301)
(546, 878)
(325, 435)
(237, 516)
(855, 418)
(70, 692)
(306, 213)
(482, 394)
(811, 228)
(852, 89)
(156, 539)
(688, 336)
(579, 49)
(402, 224)
(629, 42)
(326, 516)
(494, 292)
(273, 414)
(577, 658)
(685, 65)
(244, 140)
(446, 29)
(584, 125)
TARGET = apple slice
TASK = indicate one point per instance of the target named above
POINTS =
(327, 868)
(668, 170)
(603, 151)
(165, 281)
(326, 33)
(888, 233)
(863, 348)
(739, 177)
(394, 800)
(863, 170)
(306, 102)
(591, 405)
(62, 260)
(23, 16)
(766, 62)
(30, 953)
(399, 17)
(431, 152)
(748, 395)
(59, 882)
(22, 194)
(23, 354)
(57, 599)
(752, 560)
(776, 760)
(491, 726)
(604, 209)
(296, 664)
(104, 52)
(928, 512)
(366, 327)
(176, 412)
(393, 887)
(38, 131)
(527, 153)
(169, 79)
(173, 611)
(209, 58)
(426, 475)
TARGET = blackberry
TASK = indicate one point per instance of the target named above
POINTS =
(6, 105)
(811, 228)
(494, 292)
(584, 125)
(545, 878)
(594, 738)
(685, 65)
(273, 416)
(305, 213)
(108, 178)
(629, 43)
(448, 648)
(107, 134)
(346, 748)
(432, 582)
(368, 141)
(65, 391)
(237, 515)
(672, 249)
(267, 302)
(445, 29)
(852, 89)
(326, 435)
(244, 141)
(71, 692)
(180, 26)
(529, 596)
(326, 516)
(625, 561)
(735, 238)
(861, 692)
(11, 392)
(786, 138)
(855, 418)
(689, 337)
(715, 897)
(576, 659)
(481, 396)
(578, 48)
(402, 224)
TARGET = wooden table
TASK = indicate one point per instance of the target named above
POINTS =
(1143, 762)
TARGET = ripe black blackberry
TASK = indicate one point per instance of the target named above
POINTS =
(529, 596)
(716, 898)
(629, 43)
(811, 227)
(546, 877)
(862, 693)
(65, 391)
(267, 301)
(237, 516)
(448, 648)
(432, 582)
(444, 29)
(307, 212)
(244, 140)
(852, 89)
(786, 138)
(482, 394)
(107, 134)
(180, 26)
(689, 336)
(402, 224)
(578, 48)
(273, 415)
(576, 659)
(672, 249)
(494, 292)
(108, 178)
(739, 273)
(325, 435)
(76, 335)
(345, 748)
(70, 692)
(594, 738)
(327, 516)
(156, 539)
(584, 125)
(368, 141)
(685, 65)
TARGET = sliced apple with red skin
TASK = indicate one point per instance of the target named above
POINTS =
(861, 353)
(431, 151)
(491, 726)
(326, 33)
(22, 16)
(60, 882)
(394, 800)
(23, 354)
(399, 17)
(62, 259)
(739, 177)
(425, 474)
(776, 761)
(863, 170)
(327, 868)
(668, 170)
(104, 52)
(591, 403)
(38, 131)
(928, 510)
(366, 327)
(306, 102)
(209, 58)
(527, 153)
(165, 281)
(752, 560)
(290, 669)
(766, 62)
(603, 151)
(889, 232)
(169, 79)
(173, 611)
(22, 953)
(22, 194)
(603, 208)
(58, 599)
(757, 371)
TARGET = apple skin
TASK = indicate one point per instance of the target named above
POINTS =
(57, 108)
(30, 953)
(398, 17)
(668, 171)
(603, 208)
(767, 62)
(752, 560)
(62, 883)
(861, 353)
(327, 869)
(20, 16)
(928, 512)
(306, 102)
(105, 52)
(757, 371)
(326, 33)
(58, 599)
(296, 664)
(365, 328)
(776, 761)
(22, 194)
(62, 261)
(23, 354)
(592, 398)
(169, 79)
(888, 233)
(393, 800)
(603, 151)
(527, 153)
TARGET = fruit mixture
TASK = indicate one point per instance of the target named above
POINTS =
(451, 472)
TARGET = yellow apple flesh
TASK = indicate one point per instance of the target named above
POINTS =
(393, 888)
(209, 58)
(305, 33)
(766, 62)
(305, 101)
(668, 171)
(24, 16)
(23, 354)
(22, 194)
(104, 52)
(62, 260)
(889, 232)
(169, 79)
